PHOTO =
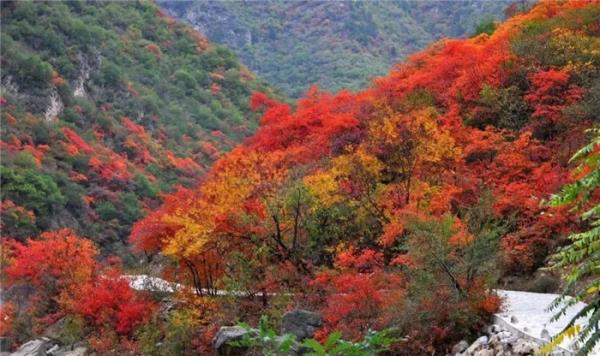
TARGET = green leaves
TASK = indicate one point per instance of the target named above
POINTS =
(266, 340)
(582, 256)
(372, 344)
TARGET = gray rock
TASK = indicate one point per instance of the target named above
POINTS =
(301, 323)
(514, 320)
(225, 335)
(479, 344)
(484, 352)
(525, 347)
(460, 347)
(78, 351)
(35, 347)
(503, 338)
(494, 329)
(54, 350)
(545, 334)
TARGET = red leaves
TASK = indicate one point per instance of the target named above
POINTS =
(78, 145)
(367, 261)
(307, 133)
(133, 128)
(109, 301)
(260, 101)
(62, 269)
(358, 296)
(59, 256)
(551, 93)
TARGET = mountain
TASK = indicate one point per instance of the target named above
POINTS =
(386, 217)
(335, 44)
(104, 107)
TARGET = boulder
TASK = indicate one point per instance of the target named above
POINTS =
(301, 323)
(484, 352)
(78, 351)
(224, 336)
(35, 347)
(479, 344)
(525, 347)
(460, 347)
(494, 329)
(68, 351)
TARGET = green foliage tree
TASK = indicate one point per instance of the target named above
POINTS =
(581, 258)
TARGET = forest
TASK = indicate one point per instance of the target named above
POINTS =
(395, 211)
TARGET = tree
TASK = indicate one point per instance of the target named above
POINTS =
(57, 266)
(581, 258)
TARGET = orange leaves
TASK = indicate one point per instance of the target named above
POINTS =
(78, 145)
(364, 261)
(134, 128)
(57, 80)
(57, 266)
(461, 237)
(186, 164)
(391, 232)
(94, 163)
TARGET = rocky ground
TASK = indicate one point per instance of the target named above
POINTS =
(500, 342)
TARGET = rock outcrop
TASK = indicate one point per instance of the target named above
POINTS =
(37, 347)
(301, 323)
(225, 336)
(500, 342)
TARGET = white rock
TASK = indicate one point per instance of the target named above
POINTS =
(460, 347)
(525, 347)
(36, 347)
(484, 352)
(477, 345)
(78, 351)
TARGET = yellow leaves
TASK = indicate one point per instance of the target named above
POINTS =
(324, 188)
(194, 225)
(358, 162)
(569, 333)
(234, 180)
(435, 143)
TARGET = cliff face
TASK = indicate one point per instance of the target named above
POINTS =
(334, 44)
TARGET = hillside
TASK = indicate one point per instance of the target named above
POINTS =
(385, 221)
(104, 107)
(340, 44)
(428, 186)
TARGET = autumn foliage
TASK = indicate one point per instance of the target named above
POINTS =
(371, 207)
(60, 278)
(359, 194)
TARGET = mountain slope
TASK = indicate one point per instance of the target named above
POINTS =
(336, 45)
(105, 106)
(428, 186)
